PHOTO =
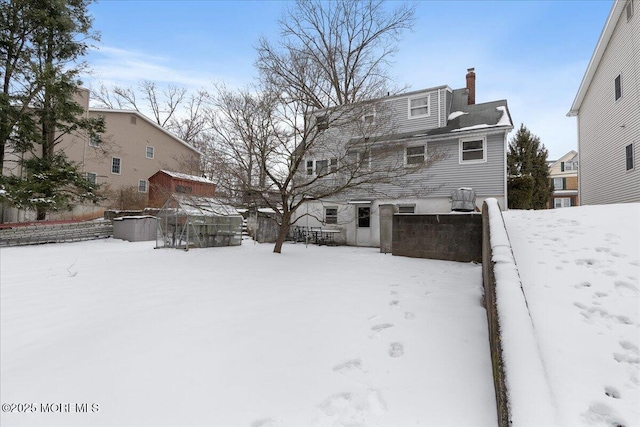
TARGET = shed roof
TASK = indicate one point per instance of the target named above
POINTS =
(185, 176)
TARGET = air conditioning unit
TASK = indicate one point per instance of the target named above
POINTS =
(463, 200)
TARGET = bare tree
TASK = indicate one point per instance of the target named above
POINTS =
(326, 73)
(163, 105)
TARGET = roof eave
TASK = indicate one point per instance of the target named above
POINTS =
(603, 41)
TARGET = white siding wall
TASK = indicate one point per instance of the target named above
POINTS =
(607, 126)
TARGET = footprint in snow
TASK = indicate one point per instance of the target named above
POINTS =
(582, 285)
(264, 422)
(348, 365)
(625, 288)
(396, 349)
(381, 327)
(612, 392)
(601, 414)
(394, 303)
(409, 315)
(353, 409)
(586, 261)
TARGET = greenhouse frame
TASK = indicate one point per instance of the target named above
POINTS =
(186, 222)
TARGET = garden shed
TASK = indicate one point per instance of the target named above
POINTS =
(186, 222)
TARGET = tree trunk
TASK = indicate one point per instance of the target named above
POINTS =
(283, 232)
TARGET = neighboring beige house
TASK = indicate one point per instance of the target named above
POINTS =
(564, 175)
(131, 150)
(607, 106)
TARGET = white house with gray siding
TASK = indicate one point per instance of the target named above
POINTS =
(607, 106)
(469, 139)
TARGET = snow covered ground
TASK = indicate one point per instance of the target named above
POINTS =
(317, 336)
(580, 271)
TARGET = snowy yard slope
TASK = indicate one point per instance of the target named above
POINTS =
(239, 336)
(580, 270)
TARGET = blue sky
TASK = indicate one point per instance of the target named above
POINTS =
(531, 53)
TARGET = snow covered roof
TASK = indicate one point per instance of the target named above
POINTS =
(187, 177)
(487, 116)
(197, 206)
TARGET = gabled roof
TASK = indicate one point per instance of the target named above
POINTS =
(605, 36)
(149, 121)
(571, 156)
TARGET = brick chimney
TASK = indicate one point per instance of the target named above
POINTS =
(471, 86)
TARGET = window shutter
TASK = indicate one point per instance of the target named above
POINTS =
(564, 183)
(562, 166)
(571, 201)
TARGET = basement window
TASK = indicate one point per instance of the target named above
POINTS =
(407, 209)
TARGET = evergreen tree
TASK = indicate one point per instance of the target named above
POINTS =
(529, 186)
(41, 46)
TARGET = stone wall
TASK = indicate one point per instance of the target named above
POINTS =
(449, 237)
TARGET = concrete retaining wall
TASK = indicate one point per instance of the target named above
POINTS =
(495, 344)
(449, 237)
(523, 393)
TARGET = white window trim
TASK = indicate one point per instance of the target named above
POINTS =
(119, 166)
(484, 150)
(562, 203)
(325, 214)
(146, 185)
(424, 155)
(146, 152)
(561, 184)
(95, 141)
(428, 96)
(95, 175)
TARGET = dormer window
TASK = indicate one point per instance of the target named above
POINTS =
(419, 106)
